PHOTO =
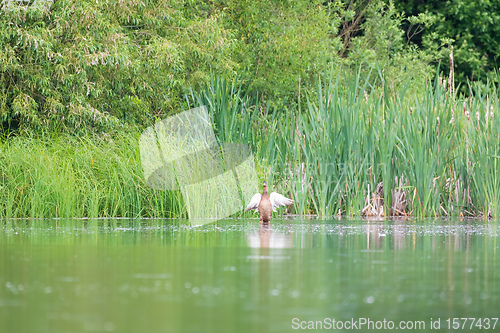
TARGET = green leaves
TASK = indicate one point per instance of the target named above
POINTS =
(470, 26)
(282, 43)
(121, 61)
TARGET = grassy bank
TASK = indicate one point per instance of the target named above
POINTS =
(354, 132)
(65, 176)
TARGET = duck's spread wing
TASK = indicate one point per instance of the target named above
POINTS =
(279, 200)
(254, 203)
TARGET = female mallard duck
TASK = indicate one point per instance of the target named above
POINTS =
(265, 204)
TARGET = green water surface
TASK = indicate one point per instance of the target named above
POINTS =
(239, 276)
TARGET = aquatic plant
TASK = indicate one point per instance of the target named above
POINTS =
(357, 131)
(355, 139)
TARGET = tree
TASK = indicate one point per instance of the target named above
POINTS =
(471, 26)
(88, 64)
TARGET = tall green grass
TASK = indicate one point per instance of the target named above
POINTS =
(351, 133)
(65, 176)
(356, 130)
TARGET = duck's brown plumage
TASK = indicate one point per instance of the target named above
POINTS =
(265, 206)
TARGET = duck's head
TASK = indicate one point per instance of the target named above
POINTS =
(265, 186)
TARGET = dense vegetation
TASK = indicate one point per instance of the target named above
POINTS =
(68, 65)
(467, 25)
(441, 151)
(333, 98)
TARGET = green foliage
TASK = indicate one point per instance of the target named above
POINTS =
(91, 65)
(328, 158)
(324, 137)
(88, 177)
(381, 45)
(351, 136)
(471, 26)
(282, 43)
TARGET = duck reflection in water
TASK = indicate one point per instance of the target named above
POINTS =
(266, 204)
(267, 238)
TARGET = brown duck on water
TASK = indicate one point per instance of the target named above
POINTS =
(265, 204)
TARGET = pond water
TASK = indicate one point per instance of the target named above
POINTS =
(239, 276)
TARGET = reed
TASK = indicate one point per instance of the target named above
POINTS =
(356, 131)
(482, 134)
(352, 132)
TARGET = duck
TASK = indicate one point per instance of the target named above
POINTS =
(265, 204)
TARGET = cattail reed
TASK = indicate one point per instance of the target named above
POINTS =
(466, 112)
